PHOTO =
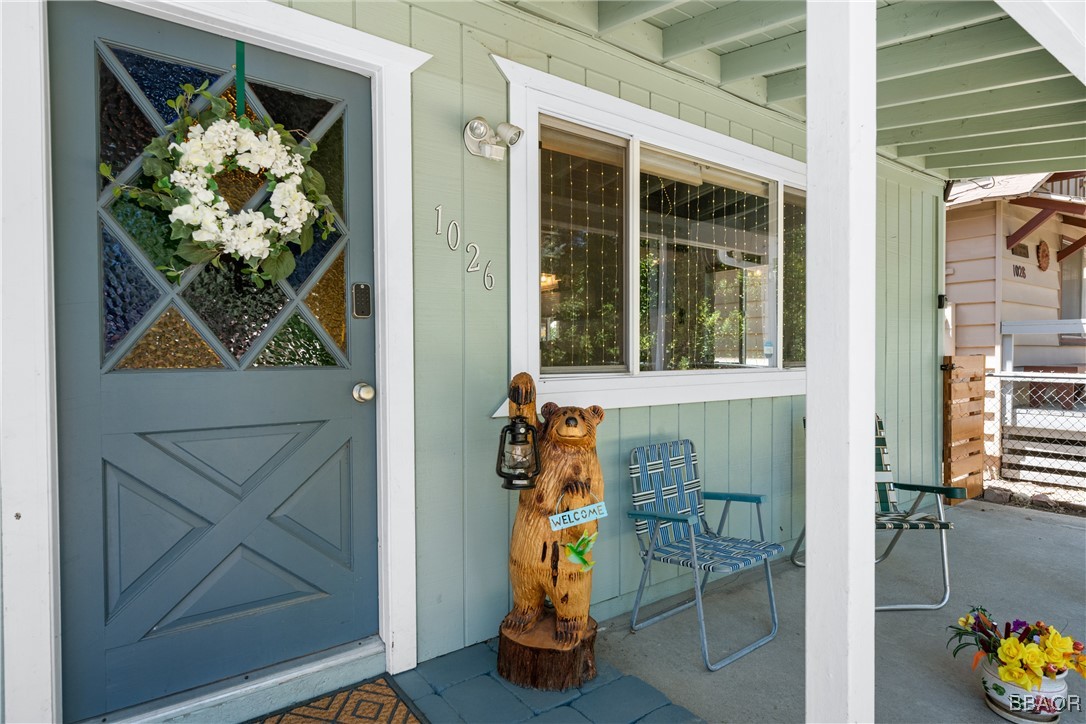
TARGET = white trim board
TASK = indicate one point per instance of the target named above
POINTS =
(532, 92)
(28, 446)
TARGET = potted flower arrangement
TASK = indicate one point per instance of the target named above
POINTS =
(1023, 665)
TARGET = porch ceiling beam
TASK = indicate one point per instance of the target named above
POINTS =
(774, 56)
(728, 23)
(1058, 150)
(1029, 227)
(1010, 169)
(1069, 250)
(995, 140)
(613, 14)
(1073, 221)
(1067, 114)
(1004, 100)
(577, 14)
(896, 24)
(1064, 207)
(959, 47)
(986, 75)
(1065, 176)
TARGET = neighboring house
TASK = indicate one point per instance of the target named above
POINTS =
(1015, 253)
(197, 512)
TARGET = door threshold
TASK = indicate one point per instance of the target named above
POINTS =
(246, 697)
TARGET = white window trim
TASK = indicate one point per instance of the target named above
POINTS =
(532, 92)
(28, 495)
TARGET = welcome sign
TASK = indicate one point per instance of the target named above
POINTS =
(578, 516)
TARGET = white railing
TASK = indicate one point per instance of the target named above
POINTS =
(1049, 326)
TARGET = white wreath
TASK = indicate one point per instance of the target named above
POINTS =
(247, 234)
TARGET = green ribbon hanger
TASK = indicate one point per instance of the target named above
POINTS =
(239, 79)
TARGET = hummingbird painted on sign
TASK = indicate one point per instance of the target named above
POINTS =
(576, 551)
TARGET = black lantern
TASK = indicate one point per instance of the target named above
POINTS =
(518, 455)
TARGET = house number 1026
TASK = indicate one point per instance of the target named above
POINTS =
(452, 238)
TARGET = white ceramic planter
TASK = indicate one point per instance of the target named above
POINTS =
(1015, 703)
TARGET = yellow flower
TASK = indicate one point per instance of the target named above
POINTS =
(1033, 681)
(1010, 651)
(1055, 657)
(1063, 645)
(1013, 673)
(1034, 659)
(966, 621)
(1078, 665)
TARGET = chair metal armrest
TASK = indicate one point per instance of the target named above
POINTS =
(734, 497)
(946, 490)
(690, 518)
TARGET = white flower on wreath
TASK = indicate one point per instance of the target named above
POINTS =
(204, 153)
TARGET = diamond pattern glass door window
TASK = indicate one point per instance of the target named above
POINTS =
(295, 345)
(127, 293)
(123, 129)
(328, 160)
(231, 96)
(149, 228)
(235, 310)
(170, 343)
(161, 80)
(298, 113)
(307, 262)
(328, 302)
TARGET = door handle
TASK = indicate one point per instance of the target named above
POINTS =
(364, 392)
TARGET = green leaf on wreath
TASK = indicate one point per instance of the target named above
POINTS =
(194, 253)
(180, 230)
(220, 106)
(312, 180)
(305, 240)
(159, 147)
(156, 167)
(279, 266)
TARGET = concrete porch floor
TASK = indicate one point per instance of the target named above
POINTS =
(1016, 563)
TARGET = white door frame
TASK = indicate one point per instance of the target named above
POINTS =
(29, 529)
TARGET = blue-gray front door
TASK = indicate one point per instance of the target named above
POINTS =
(217, 479)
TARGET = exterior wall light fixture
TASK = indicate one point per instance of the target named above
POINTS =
(482, 140)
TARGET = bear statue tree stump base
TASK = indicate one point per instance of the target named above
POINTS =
(534, 660)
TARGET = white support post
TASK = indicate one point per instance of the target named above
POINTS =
(28, 505)
(840, 360)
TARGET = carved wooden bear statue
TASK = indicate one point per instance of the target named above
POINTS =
(539, 567)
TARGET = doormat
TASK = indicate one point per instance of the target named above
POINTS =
(377, 700)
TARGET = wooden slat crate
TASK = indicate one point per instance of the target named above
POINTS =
(963, 423)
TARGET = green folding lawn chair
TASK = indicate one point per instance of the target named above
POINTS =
(889, 517)
(669, 515)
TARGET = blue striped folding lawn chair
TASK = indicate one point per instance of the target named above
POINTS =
(669, 515)
(889, 517)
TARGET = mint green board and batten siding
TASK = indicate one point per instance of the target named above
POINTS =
(461, 331)
(908, 273)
